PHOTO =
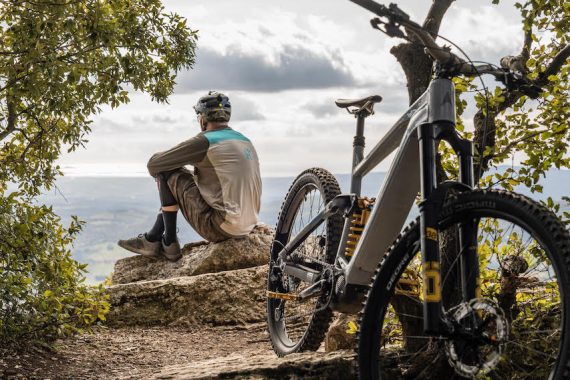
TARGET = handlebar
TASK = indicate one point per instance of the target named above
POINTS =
(450, 64)
(397, 17)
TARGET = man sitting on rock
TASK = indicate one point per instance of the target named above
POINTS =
(220, 200)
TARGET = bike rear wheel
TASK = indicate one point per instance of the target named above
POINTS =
(301, 326)
(519, 326)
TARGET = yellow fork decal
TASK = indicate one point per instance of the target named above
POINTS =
(432, 281)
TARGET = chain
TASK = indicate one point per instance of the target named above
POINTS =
(306, 314)
(325, 265)
(309, 258)
(317, 310)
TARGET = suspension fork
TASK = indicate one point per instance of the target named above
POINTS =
(428, 225)
(429, 135)
(469, 260)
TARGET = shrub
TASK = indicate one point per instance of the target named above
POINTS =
(43, 295)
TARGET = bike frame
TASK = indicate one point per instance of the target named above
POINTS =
(415, 137)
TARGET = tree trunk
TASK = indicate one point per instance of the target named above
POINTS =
(417, 67)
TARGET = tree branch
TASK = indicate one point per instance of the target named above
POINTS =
(415, 63)
(435, 15)
(515, 63)
(525, 52)
(554, 66)
(511, 97)
(11, 119)
(485, 129)
(518, 62)
(514, 143)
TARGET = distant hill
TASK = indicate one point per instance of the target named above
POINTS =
(118, 207)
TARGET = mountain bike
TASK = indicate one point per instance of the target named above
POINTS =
(475, 287)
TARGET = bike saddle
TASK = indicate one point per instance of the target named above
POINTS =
(345, 103)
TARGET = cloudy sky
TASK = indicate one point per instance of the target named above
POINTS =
(283, 63)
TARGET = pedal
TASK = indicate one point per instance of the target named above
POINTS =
(282, 296)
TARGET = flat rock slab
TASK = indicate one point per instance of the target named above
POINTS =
(235, 297)
(310, 365)
(199, 258)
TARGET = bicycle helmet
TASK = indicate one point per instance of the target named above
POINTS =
(214, 107)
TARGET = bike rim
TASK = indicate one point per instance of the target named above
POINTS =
(294, 318)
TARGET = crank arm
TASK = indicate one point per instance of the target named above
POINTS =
(312, 291)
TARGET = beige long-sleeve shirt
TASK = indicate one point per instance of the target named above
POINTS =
(226, 169)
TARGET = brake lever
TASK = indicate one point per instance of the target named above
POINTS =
(391, 28)
(397, 12)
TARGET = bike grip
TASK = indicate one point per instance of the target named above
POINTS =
(372, 6)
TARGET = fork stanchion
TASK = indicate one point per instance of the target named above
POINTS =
(429, 234)
(469, 260)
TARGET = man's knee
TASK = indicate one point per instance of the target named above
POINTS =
(165, 176)
(166, 195)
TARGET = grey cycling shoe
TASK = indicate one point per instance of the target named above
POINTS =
(172, 251)
(142, 246)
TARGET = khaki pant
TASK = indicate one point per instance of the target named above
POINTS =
(201, 216)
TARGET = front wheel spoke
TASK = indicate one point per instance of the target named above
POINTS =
(543, 354)
(518, 367)
(427, 337)
(538, 331)
(410, 315)
(419, 376)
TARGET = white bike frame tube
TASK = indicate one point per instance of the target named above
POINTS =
(391, 141)
(402, 182)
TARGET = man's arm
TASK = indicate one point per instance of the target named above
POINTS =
(188, 152)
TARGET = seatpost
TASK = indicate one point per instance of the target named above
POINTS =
(355, 181)
(358, 152)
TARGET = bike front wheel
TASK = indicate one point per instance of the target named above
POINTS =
(301, 326)
(517, 329)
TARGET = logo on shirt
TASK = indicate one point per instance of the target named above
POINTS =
(248, 154)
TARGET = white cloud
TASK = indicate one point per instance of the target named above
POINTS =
(486, 33)
(294, 127)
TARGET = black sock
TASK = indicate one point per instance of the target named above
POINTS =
(155, 233)
(169, 226)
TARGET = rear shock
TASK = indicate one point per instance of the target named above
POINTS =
(358, 222)
(409, 284)
(349, 297)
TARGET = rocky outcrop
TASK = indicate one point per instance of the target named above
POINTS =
(207, 286)
(340, 336)
(311, 365)
(225, 298)
(199, 258)
(213, 283)
(201, 318)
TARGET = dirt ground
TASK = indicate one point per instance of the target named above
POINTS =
(131, 353)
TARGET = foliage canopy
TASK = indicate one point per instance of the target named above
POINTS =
(59, 62)
(533, 131)
(509, 126)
